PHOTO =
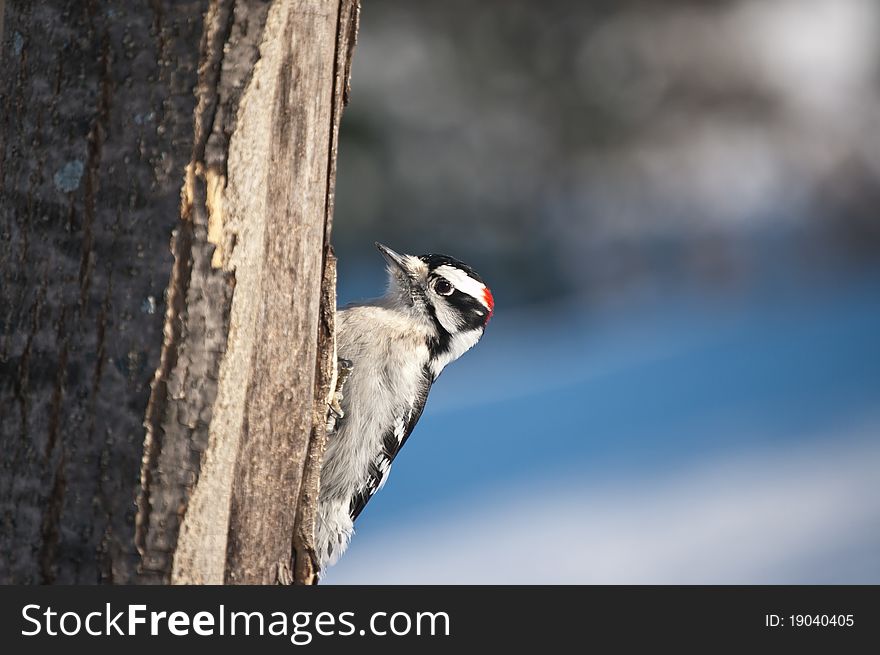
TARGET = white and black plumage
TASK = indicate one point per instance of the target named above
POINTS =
(434, 310)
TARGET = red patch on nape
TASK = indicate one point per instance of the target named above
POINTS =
(490, 302)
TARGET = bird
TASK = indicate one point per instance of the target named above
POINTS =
(391, 351)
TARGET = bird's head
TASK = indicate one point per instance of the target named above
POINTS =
(446, 294)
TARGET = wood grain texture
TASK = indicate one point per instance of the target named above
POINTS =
(277, 418)
(275, 237)
(305, 563)
(305, 567)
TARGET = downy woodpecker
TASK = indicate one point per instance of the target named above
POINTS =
(392, 349)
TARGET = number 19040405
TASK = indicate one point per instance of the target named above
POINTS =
(821, 620)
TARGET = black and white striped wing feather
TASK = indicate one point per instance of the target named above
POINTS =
(392, 442)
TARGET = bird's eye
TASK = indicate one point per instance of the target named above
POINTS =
(443, 287)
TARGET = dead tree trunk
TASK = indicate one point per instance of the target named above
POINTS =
(152, 433)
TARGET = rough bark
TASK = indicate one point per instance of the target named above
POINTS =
(184, 445)
(306, 567)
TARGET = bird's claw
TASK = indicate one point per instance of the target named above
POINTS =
(335, 413)
(284, 574)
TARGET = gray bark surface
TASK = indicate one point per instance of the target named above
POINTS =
(159, 409)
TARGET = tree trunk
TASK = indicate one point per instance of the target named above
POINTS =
(176, 437)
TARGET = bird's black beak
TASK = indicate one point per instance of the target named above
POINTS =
(392, 257)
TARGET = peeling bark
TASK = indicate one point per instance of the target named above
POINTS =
(175, 440)
(305, 565)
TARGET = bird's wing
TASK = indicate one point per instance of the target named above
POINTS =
(392, 442)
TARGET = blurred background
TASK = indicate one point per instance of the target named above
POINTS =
(676, 207)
